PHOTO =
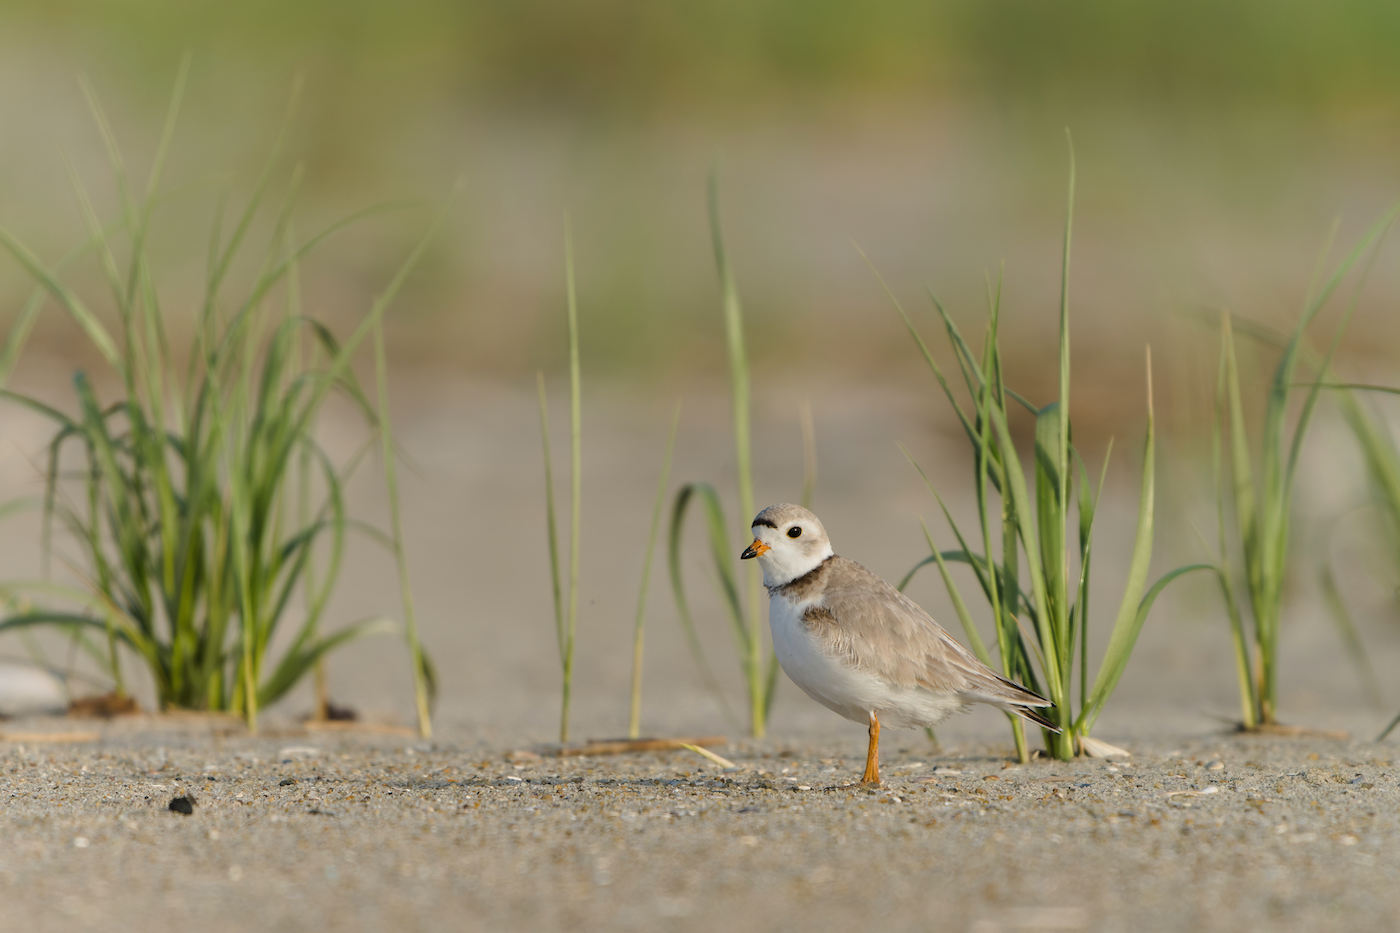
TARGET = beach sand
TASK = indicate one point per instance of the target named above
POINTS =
(356, 832)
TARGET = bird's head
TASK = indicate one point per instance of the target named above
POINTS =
(789, 542)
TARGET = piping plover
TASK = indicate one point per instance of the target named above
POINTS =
(860, 647)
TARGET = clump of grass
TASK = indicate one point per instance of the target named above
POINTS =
(1382, 460)
(1045, 543)
(1254, 504)
(189, 546)
(760, 669)
(565, 622)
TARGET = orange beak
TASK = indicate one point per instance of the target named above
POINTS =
(754, 550)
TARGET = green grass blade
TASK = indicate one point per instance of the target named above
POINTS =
(972, 373)
(1057, 566)
(1350, 386)
(576, 481)
(84, 318)
(974, 560)
(1371, 242)
(1131, 613)
(1120, 646)
(985, 574)
(740, 394)
(19, 333)
(1387, 730)
(339, 365)
(719, 542)
(1350, 636)
(635, 721)
(1087, 504)
(770, 685)
(296, 664)
(417, 654)
(23, 325)
(1051, 521)
(1226, 414)
(1063, 464)
(1254, 535)
(923, 347)
(974, 638)
(948, 515)
(551, 521)
(167, 135)
(1021, 506)
(108, 260)
(1382, 459)
(224, 254)
(1024, 402)
(1002, 593)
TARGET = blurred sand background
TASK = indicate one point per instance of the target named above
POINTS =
(1216, 147)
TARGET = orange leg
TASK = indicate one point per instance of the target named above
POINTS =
(872, 754)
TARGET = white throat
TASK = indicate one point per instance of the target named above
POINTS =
(783, 562)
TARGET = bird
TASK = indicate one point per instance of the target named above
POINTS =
(860, 647)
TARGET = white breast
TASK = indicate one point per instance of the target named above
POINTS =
(844, 689)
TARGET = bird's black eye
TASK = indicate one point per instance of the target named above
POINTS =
(795, 531)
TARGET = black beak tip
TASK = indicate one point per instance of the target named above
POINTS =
(748, 553)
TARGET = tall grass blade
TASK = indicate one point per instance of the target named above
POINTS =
(551, 520)
(718, 536)
(565, 601)
(1227, 416)
(760, 689)
(635, 721)
(576, 481)
(1129, 622)
(974, 638)
(84, 318)
(760, 670)
(423, 681)
(1350, 636)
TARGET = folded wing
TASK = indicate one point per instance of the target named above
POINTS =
(876, 628)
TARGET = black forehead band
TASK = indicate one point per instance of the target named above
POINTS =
(763, 521)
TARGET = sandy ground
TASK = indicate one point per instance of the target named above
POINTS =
(295, 833)
(383, 832)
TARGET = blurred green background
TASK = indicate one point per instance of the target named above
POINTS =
(1217, 145)
(1216, 142)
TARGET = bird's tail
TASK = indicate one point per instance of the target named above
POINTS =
(1014, 698)
(1035, 715)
